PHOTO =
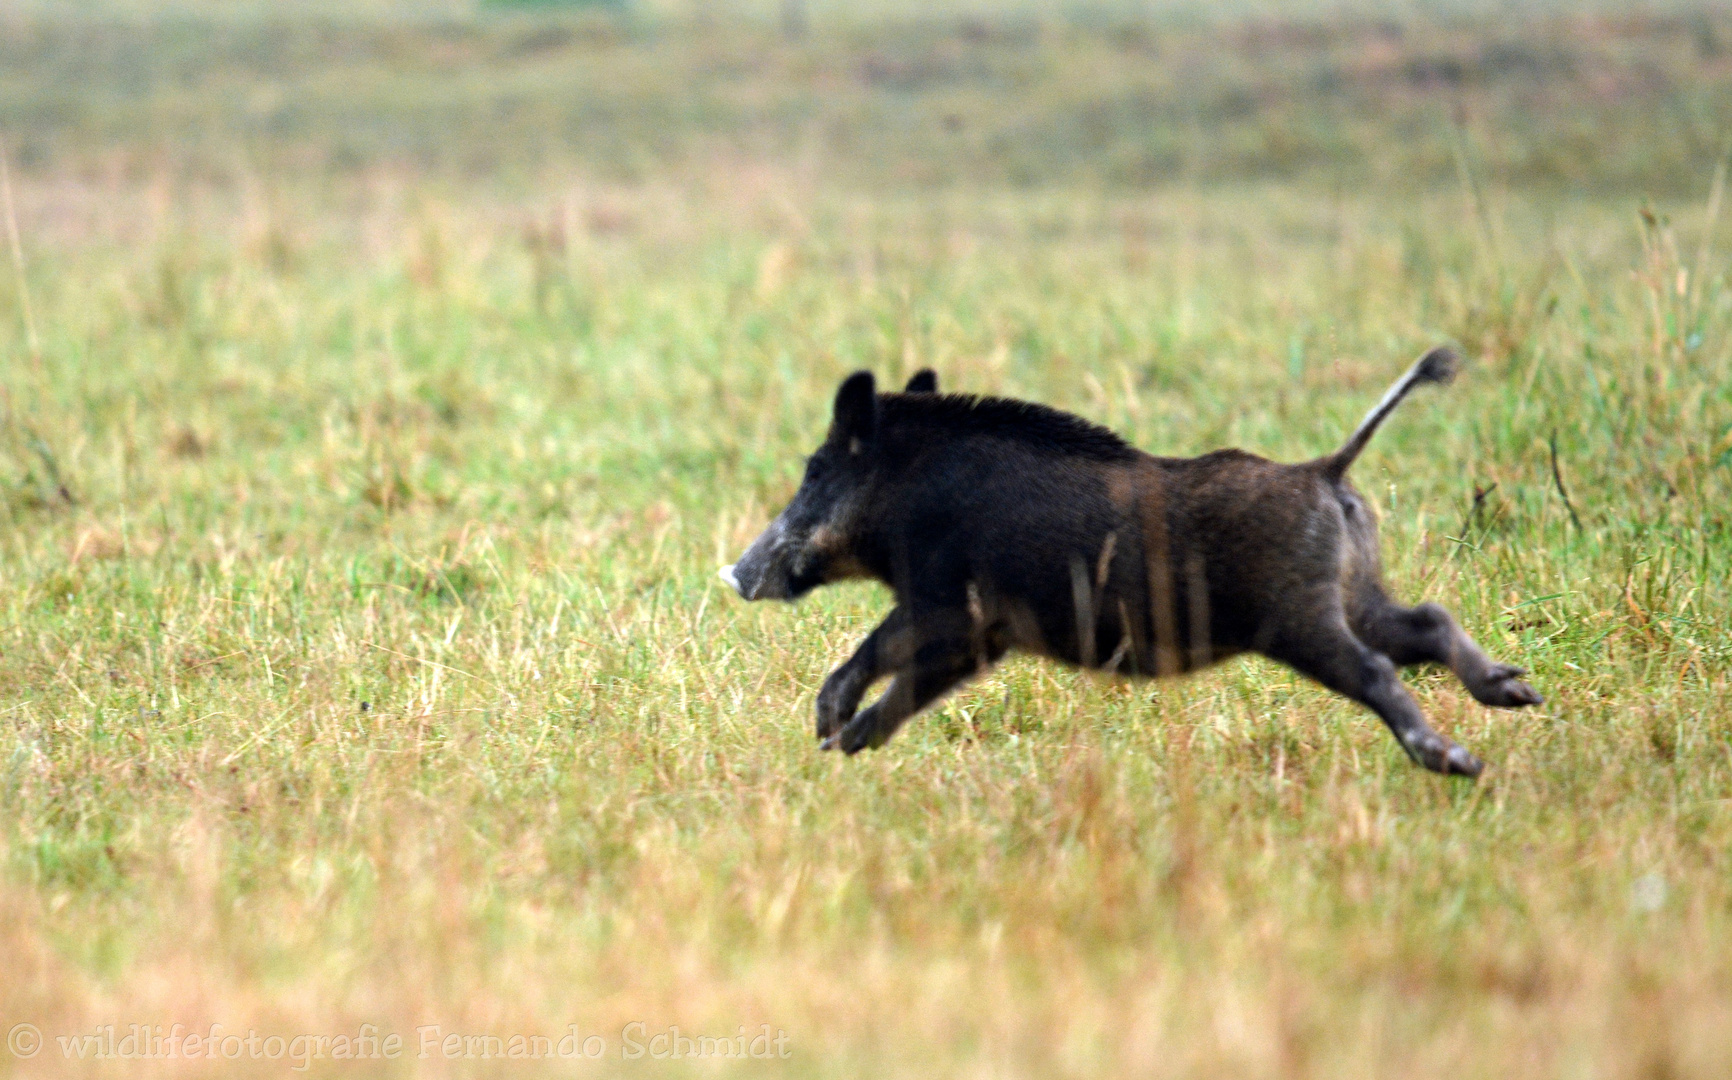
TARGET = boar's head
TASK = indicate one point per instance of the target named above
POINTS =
(811, 542)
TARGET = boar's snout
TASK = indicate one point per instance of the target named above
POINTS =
(763, 571)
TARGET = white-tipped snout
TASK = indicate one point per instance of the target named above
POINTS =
(726, 573)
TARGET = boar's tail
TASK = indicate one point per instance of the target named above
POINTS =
(1436, 366)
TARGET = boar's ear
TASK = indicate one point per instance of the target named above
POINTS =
(856, 410)
(925, 381)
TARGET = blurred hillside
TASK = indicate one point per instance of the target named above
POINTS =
(1108, 97)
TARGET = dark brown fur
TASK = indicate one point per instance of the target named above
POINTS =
(1005, 525)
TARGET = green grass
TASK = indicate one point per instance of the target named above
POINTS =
(362, 659)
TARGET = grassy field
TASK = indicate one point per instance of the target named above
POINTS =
(381, 391)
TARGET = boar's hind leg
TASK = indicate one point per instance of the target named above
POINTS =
(944, 655)
(1427, 634)
(1328, 652)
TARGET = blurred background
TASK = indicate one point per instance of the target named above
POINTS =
(544, 98)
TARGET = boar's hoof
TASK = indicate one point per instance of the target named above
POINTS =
(1458, 762)
(1502, 687)
(861, 734)
(1442, 756)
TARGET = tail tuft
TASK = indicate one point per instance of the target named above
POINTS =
(1437, 366)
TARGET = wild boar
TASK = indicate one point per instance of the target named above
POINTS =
(1003, 524)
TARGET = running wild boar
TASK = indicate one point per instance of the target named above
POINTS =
(1006, 525)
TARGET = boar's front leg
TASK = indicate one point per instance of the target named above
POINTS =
(884, 649)
(939, 650)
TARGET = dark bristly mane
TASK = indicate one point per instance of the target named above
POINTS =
(1035, 426)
